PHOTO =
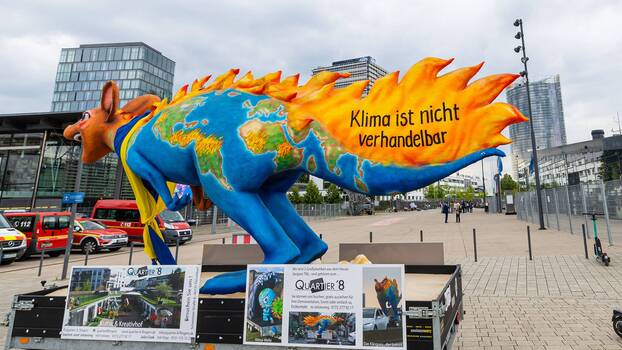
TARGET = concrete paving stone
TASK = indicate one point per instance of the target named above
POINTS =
(558, 300)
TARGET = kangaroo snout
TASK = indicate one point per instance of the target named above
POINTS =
(72, 133)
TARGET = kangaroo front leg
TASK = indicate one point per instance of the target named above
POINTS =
(145, 170)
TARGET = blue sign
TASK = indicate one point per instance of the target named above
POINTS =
(73, 197)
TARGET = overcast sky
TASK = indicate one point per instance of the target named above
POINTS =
(580, 40)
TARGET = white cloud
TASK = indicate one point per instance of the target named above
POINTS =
(577, 39)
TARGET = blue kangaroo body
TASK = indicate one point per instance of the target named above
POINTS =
(252, 191)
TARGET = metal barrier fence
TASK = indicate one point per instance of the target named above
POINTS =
(314, 212)
(563, 208)
(309, 212)
(492, 204)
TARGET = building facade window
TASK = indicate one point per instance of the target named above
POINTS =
(136, 67)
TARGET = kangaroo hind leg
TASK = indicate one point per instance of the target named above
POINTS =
(247, 209)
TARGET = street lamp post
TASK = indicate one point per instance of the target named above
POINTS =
(520, 35)
(483, 182)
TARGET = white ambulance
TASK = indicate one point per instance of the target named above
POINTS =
(12, 242)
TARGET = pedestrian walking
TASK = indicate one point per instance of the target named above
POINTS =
(457, 210)
(445, 210)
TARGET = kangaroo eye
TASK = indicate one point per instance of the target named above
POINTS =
(85, 116)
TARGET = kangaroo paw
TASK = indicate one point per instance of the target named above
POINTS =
(225, 285)
(311, 252)
(231, 274)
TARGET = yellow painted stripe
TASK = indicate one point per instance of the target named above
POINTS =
(148, 207)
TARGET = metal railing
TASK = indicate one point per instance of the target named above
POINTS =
(314, 212)
(309, 212)
(563, 208)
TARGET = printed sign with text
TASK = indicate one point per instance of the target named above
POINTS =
(343, 306)
(132, 303)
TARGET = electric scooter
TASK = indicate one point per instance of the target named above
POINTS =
(600, 256)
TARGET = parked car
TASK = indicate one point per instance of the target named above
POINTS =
(45, 231)
(12, 241)
(91, 236)
(124, 215)
(174, 225)
(374, 319)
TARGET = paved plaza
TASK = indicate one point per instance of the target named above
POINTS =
(559, 300)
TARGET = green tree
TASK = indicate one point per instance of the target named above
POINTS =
(507, 183)
(333, 195)
(610, 166)
(468, 194)
(163, 290)
(303, 178)
(177, 279)
(435, 192)
(312, 195)
(295, 197)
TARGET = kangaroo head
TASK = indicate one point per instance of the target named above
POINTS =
(97, 127)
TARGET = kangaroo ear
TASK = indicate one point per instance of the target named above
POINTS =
(110, 99)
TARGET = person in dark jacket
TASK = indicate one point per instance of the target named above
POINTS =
(445, 210)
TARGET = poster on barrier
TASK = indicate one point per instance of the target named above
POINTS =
(156, 303)
(335, 306)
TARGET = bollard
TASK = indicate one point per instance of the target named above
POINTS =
(41, 262)
(176, 249)
(529, 241)
(475, 245)
(131, 252)
(370, 237)
(320, 256)
(421, 235)
(584, 241)
(86, 258)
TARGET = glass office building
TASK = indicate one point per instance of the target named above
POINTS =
(137, 68)
(361, 68)
(37, 165)
(548, 119)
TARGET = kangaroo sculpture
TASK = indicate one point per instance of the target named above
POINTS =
(241, 144)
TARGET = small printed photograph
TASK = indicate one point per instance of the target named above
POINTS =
(141, 297)
(326, 329)
(264, 314)
(382, 307)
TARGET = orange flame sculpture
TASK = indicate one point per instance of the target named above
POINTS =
(446, 114)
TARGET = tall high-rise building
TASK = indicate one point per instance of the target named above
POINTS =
(361, 68)
(548, 120)
(137, 68)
